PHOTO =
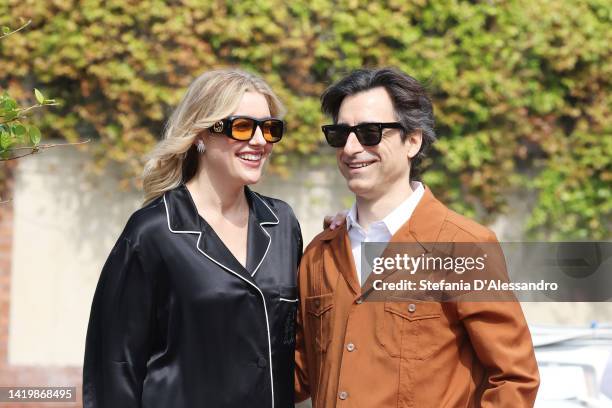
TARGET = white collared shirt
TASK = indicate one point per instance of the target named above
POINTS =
(380, 231)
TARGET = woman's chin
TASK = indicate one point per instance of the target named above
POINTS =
(251, 177)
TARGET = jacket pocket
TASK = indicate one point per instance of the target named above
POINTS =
(287, 312)
(410, 329)
(319, 309)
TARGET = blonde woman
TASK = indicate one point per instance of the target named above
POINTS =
(196, 303)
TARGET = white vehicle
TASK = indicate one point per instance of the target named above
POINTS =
(575, 366)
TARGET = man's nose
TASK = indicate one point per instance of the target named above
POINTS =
(352, 145)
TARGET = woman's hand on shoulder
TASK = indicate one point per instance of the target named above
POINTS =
(334, 221)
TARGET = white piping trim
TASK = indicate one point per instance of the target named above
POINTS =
(238, 275)
(287, 300)
(265, 232)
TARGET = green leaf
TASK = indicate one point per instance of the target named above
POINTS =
(10, 115)
(34, 134)
(6, 30)
(39, 96)
(19, 130)
(8, 104)
(5, 139)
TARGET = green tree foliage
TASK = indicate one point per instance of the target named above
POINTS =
(521, 88)
(14, 130)
(15, 133)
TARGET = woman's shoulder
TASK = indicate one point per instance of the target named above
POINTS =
(146, 222)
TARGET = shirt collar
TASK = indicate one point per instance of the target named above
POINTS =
(351, 218)
(396, 218)
(402, 213)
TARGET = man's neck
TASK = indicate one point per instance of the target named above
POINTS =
(374, 209)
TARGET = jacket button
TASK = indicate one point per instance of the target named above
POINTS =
(411, 307)
(350, 347)
(343, 395)
(262, 362)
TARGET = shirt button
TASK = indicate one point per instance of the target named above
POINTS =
(343, 395)
(350, 347)
(262, 362)
(411, 307)
(317, 302)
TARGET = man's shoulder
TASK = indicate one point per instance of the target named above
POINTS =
(464, 229)
(321, 239)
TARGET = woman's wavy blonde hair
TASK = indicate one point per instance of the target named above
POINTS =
(212, 96)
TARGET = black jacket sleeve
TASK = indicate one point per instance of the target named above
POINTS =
(118, 340)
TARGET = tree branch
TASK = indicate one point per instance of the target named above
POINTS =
(14, 31)
(35, 149)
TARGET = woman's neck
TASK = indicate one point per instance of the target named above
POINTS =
(217, 196)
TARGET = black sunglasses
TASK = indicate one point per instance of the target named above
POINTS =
(368, 134)
(243, 128)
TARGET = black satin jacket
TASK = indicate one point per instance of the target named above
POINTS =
(177, 321)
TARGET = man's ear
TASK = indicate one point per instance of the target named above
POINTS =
(414, 141)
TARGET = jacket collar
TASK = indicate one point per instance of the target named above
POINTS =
(423, 227)
(183, 214)
(183, 218)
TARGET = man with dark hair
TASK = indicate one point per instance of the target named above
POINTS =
(355, 353)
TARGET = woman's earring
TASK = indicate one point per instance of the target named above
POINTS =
(201, 147)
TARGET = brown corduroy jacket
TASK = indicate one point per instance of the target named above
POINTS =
(360, 354)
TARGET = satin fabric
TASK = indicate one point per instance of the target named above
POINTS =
(177, 321)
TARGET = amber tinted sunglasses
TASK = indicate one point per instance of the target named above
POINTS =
(368, 134)
(243, 128)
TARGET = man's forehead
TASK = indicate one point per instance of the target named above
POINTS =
(373, 105)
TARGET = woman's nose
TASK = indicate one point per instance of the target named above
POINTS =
(258, 138)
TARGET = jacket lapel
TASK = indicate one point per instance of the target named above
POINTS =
(423, 227)
(213, 247)
(425, 222)
(183, 218)
(261, 218)
(341, 256)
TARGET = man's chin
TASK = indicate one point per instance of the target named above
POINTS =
(361, 188)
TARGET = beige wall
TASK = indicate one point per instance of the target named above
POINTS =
(65, 223)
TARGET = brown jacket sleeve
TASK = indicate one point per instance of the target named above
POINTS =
(502, 342)
(302, 386)
(501, 339)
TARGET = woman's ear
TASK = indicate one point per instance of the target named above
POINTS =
(414, 141)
